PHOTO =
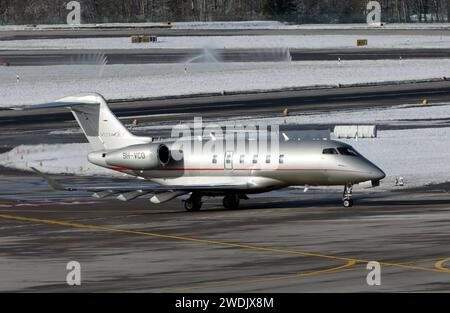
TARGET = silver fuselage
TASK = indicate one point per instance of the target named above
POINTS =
(296, 163)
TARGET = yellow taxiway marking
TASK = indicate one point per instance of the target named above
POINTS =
(336, 269)
(225, 283)
(440, 265)
(213, 242)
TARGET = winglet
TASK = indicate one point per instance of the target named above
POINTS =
(55, 185)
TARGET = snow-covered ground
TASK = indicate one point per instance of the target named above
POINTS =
(46, 83)
(61, 158)
(410, 114)
(421, 156)
(280, 25)
(236, 42)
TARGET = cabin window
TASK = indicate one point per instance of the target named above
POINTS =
(268, 158)
(281, 159)
(329, 151)
(214, 159)
(228, 159)
(347, 151)
(255, 159)
(242, 159)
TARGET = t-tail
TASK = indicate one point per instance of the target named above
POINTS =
(101, 127)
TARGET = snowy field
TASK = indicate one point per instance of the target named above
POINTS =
(236, 42)
(47, 83)
(421, 156)
(61, 158)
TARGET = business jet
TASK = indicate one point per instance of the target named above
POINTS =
(233, 173)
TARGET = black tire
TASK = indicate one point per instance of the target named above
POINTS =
(231, 202)
(347, 203)
(192, 206)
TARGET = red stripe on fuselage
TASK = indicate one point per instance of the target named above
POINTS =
(258, 169)
(119, 168)
(243, 169)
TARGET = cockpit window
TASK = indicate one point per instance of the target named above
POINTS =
(329, 151)
(347, 151)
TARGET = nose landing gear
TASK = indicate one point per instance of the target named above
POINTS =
(347, 200)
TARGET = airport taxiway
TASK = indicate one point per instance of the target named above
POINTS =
(265, 103)
(286, 241)
(159, 55)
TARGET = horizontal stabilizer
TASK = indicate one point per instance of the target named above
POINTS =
(50, 105)
(55, 185)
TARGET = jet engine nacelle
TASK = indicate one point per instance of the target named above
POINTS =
(139, 157)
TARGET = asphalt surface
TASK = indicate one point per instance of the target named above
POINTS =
(286, 241)
(156, 55)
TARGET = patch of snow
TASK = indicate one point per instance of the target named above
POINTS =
(236, 42)
(55, 159)
(412, 114)
(419, 155)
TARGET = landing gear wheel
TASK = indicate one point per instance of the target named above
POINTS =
(231, 201)
(347, 203)
(193, 204)
(347, 200)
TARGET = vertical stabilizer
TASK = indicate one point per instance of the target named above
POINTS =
(100, 126)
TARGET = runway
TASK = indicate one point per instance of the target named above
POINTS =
(157, 55)
(285, 241)
(238, 104)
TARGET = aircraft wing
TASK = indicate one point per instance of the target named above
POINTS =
(131, 191)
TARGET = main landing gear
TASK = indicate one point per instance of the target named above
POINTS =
(231, 201)
(193, 203)
(347, 200)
